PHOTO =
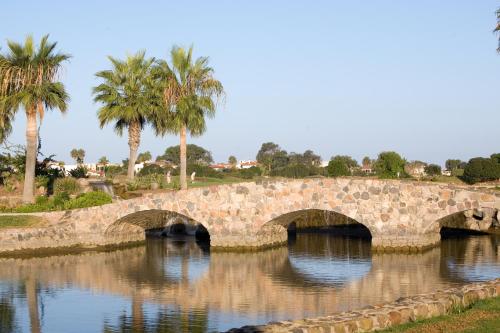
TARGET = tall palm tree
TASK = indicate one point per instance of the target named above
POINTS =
(189, 92)
(29, 80)
(125, 99)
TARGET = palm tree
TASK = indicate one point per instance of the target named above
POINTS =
(188, 90)
(78, 155)
(497, 28)
(28, 80)
(125, 99)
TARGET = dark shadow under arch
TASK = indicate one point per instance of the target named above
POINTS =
(156, 222)
(317, 220)
(467, 222)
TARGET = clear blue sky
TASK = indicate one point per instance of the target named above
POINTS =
(338, 77)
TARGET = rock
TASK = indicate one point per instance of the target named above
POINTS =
(155, 186)
(41, 190)
(83, 182)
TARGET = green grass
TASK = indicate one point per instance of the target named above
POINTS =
(62, 201)
(497, 188)
(445, 179)
(482, 317)
(18, 221)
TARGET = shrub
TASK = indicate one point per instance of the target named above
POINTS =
(68, 184)
(89, 199)
(152, 169)
(390, 164)
(249, 173)
(63, 201)
(201, 171)
(336, 168)
(433, 170)
(60, 199)
(113, 170)
(297, 171)
(79, 172)
(481, 169)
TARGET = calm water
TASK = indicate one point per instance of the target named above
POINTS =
(177, 286)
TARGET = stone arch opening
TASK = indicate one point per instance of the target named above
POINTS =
(159, 223)
(476, 221)
(318, 220)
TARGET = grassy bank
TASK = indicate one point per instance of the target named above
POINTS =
(482, 317)
(19, 221)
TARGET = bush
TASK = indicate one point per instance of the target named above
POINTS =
(433, 170)
(481, 169)
(152, 169)
(79, 172)
(201, 171)
(68, 185)
(297, 171)
(62, 201)
(113, 170)
(249, 173)
(390, 164)
(59, 199)
(89, 199)
(337, 168)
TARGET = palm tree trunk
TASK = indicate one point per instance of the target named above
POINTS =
(134, 139)
(31, 152)
(183, 158)
(32, 296)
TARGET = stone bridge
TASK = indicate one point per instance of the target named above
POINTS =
(398, 214)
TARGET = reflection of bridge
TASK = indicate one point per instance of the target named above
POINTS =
(397, 213)
(256, 283)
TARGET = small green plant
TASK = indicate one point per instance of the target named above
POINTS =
(69, 185)
(89, 199)
(79, 172)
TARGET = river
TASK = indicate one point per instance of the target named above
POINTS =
(177, 285)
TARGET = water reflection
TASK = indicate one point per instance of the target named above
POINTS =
(178, 286)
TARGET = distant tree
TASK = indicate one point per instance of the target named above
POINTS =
(144, 157)
(337, 167)
(366, 162)
(481, 169)
(195, 155)
(271, 156)
(310, 158)
(78, 155)
(452, 164)
(347, 160)
(232, 160)
(389, 164)
(433, 170)
(495, 158)
(104, 161)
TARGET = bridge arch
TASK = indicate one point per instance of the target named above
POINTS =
(159, 222)
(318, 218)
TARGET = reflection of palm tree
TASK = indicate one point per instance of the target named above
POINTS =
(32, 296)
(165, 322)
(137, 314)
(7, 315)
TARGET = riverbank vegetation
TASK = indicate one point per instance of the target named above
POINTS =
(482, 317)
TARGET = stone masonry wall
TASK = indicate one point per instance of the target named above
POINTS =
(398, 214)
(378, 317)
